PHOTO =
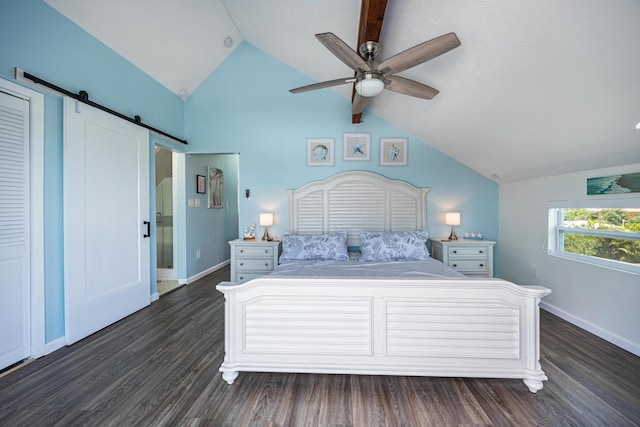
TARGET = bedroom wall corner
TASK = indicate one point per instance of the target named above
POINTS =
(601, 300)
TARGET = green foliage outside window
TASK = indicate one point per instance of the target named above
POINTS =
(619, 249)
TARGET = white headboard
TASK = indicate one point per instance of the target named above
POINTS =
(357, 201)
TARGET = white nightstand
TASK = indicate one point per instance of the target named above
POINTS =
(472, 258)
(252, 258)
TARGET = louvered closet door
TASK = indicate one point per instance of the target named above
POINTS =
(14, 232)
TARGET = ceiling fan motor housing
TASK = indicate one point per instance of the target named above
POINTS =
(369, 50)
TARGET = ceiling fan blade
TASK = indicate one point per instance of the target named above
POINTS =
(359, 103)
(342, 51)
(323, 85)
(419, 54)
(410, 87)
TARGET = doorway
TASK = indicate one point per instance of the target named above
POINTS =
(165, 247)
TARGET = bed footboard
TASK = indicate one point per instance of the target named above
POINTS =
(487, 328)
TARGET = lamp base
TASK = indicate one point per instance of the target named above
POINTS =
(453, 236)
(266, 236)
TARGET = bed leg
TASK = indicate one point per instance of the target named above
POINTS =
(533, 385)
(230, 376)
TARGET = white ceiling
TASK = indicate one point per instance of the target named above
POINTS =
(537, 87)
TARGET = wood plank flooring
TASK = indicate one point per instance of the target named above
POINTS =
(159, 367)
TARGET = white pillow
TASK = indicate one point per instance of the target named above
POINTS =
(315, 247)
(405, 246)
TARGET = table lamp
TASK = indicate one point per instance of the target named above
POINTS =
(452, 219)
(266, 221)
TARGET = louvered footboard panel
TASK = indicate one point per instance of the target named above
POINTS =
(308, 326)
(445, 329)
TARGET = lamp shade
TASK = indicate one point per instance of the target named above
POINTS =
(452, 218)
(266, 219)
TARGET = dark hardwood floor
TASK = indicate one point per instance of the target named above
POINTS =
(159, 367)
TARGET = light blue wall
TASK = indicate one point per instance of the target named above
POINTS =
(244, 106)
(209, 230)
(36, 38)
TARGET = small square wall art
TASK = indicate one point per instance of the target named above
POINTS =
(393, 151)
(320, 152)
(357, 147)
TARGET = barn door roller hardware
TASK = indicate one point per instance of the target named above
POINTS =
(83, 96)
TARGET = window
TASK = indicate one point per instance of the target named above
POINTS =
(605, 233)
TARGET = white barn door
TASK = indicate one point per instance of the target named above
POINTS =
(14, 230)
(106, 250)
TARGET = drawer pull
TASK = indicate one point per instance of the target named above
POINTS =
(455, 252)
(241, 277)
(481, 265)
(480, 251)
(266, 264)
(455, 265)
(241, 250)
(266, 251)
(241, 264)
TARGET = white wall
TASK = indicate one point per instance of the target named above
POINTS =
(601, 300)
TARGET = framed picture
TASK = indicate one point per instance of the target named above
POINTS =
(393, 151)
(201, 184)
(216, 187)
(357, 147)
(614, 184)
(320, 152)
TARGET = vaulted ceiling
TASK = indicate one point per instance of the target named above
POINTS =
(536, 88)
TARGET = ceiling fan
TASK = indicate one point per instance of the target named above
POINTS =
(372, 76)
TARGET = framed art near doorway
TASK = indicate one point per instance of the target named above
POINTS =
(201, 184)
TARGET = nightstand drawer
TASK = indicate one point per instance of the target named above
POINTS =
(253, 251)
(253, 258)
(472, 258)
(253, 264)
(469, 266)
(466, 252)
(243, 277)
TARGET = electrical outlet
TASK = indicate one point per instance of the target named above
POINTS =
(198, 254)
(197, 203)
(190, 203)
(535, 271)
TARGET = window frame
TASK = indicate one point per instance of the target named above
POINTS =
(556, 231)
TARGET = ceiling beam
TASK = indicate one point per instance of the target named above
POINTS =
(371, 17)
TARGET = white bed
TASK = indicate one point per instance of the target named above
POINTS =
(428, 324)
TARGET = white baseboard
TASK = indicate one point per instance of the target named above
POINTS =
(203, 273)
(54, 345)
(596, 330)
(58, 343)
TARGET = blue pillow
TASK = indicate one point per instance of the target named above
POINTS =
(402, 246)
(315, 247)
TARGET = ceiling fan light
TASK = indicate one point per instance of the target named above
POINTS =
(369, 84)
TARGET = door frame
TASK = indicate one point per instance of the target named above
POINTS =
(36, 214)
(156, 143)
